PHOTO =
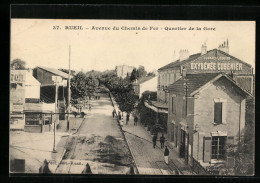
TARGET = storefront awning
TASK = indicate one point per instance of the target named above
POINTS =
(40, 107)
(156, 108)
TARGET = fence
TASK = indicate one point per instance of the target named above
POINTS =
(198, 168)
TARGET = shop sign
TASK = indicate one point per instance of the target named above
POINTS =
(223, 66)
(17, 76)
(17, 107)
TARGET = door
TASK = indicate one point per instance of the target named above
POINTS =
(182, 144)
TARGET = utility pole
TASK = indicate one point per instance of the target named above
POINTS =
(56, 80)
(68, 108)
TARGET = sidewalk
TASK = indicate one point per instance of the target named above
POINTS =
(150, 160)
(34, 148)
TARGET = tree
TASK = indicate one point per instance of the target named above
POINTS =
(134, 75)
(243, 152)
(141, 72)
(18, 64)
(78, 86)
(126, 100)
(151, 74)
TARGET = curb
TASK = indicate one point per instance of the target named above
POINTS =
(64, 149)
(122, 131)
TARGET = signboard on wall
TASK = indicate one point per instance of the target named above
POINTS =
(17, 76)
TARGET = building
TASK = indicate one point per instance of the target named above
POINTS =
(147, 83)
(206, 112)
(47, 93)
(124, 70)
(25, 104)
(212, 61)
(24, 88)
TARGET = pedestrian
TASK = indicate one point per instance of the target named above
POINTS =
(127, 118)
(113, 113)
(162, 141)
(154, 140)
(135, 120)
(131, 170)
(45, 168)
(75, 114)
(166, 155)
(83, 115)
(119, 116)
(87, 170)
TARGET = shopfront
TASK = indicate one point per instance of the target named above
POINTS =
(39, 118)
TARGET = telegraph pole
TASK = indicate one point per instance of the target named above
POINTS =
(68, 108)
(56, 80)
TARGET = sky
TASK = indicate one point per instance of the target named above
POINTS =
(40, 43)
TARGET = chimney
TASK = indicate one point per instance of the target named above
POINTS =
(184, 72)
(224, 47)
(203, 49)
(184, 54)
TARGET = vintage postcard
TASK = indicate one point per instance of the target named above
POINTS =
(132, 97)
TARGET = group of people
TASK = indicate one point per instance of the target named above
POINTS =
(166, 150)
(121, 119)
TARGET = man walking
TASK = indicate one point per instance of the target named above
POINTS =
(162, 141)
(113, 113)
(154, 140)
(166, 155)
(127, 118)
(135, 121)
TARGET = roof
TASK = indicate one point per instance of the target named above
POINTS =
(55, 71)
(178, 63)
(144, 79)
(196, 82)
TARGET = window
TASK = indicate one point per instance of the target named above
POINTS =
(218, 147)
(173, 105)
(218, 112)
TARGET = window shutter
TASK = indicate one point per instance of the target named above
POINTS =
(207, 149)
(224, 112)
(230, 159)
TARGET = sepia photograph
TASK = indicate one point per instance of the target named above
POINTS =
(132, 97)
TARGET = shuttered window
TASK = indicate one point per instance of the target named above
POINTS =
(218, 112)
(218, 147)
(173, 105)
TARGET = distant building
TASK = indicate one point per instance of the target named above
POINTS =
(147, 83)
(44, 76)
(206, 113)
(124, 70)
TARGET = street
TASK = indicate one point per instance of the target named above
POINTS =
(97, 142)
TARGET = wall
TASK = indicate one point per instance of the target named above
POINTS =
(32, 91)
(166, 78)
(204, 112)
(149, 85)
(33, 128)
